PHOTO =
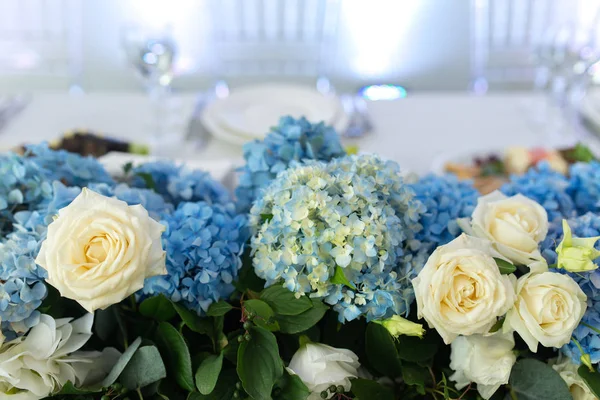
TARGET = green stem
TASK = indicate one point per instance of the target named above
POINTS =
(578, 345)
(139, 392)
(591, 327)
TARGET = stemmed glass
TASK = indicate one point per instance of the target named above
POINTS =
(152, 52)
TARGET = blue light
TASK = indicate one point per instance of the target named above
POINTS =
(383, 92)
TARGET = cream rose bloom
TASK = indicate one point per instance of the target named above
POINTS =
(515, 225)
(577, 386)
(485, 360)
(99, 250)
(460, 291)
(548, 308)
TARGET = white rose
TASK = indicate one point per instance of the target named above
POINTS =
(485, 360)
(548, 308)
(515, 225)
(577, 386)
(320, 366)
(99, 250)
(460, 291)
(40, 363)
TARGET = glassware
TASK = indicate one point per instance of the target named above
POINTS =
(152, 53)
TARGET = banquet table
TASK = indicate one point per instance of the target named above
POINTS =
(420, 131)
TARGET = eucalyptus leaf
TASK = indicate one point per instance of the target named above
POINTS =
(381, 351)
(218, 309)
(591, 378)
(158, 307)
(340, 278)
(208, 373)
(259, 365)
(177, 355)
(284, 302)
(504, 266)
(301, 322)
(146, 367)
(531, 379)
(365, 389)
(69, 388)
(121, 364)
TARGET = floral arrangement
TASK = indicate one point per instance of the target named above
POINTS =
(323, 276)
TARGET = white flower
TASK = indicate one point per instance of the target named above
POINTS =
(99, 250)
(515, 225)
(36, 365)
(460, 291)
(320, 366)
(577, 386)
(548, 308)
(485, 360)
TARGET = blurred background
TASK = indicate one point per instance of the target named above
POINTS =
(411, 79)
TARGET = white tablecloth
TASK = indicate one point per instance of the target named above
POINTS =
(415, 131)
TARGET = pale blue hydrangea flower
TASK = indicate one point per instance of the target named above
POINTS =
(292, 140)
(584, 186)
(545, 186)
(18, 304)
(354, 215)
(179, 184)
(446, 199)
(204, 244)
(587, 225)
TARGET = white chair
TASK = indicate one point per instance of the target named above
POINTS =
(40, 44)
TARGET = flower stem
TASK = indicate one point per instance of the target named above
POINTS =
(139, 392)
(591, 327)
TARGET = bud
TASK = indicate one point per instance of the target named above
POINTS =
(576, 254)
(587, 361)
(397, 326)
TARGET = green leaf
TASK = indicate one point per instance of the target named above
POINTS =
(247, 279)
(291, 387)
(415, 376)
(259, 365)
(301, 322)
(413, 349)
(127, 167)
(381, 351)
(224, 389)
(263, 314)
(365, 389)
(105, 323)
(69, 388)
(51, 304)
(266, 217)
(340, 278)
(146, 367)
(504, 266)
(591, 378)
(177, 355)
(121, 364)
(496, 327)
(208, 373)
(148, 180)
(531, 379)
(218, 309)
(284, 302)
(196, 323)
(158, 307)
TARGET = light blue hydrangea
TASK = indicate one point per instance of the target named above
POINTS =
(204, 243)
(69, 168)
(292, 140)
(587, 225)
(18, 304)
(178, 184)
(545, 186)
(584, 186)
(353, 217)
(446, 198)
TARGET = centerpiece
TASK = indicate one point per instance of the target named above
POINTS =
(323, 276)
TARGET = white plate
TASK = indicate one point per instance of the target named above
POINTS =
(221, 170)
(249, 113)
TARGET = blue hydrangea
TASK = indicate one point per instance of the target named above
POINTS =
(178, 184)
(18, 304)
(69, 168)
(204, 243)
(292, 140)
(353, 217)
(584, 186)
(545, 186)
(445, 199)
(587, 225)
